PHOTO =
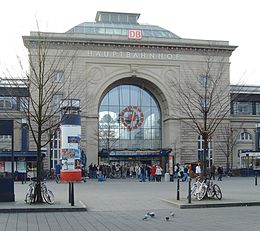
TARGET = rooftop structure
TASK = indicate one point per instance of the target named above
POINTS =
(114, 23)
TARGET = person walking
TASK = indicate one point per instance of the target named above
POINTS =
(158, 173)
(176, 170)
(220, 173)
(198, 169)
(212, 172)
(137, 171)
(148, 172)
(191, 172)
(90, 170)
(185, 174)
(152, 172)
(143, 173)
(131, 171)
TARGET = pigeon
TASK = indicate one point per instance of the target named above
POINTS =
(167, 218)
(146, 216)
(151, 214)
(172, 214)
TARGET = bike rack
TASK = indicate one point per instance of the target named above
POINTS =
(178, 189)
(71, 193)
(189, 191)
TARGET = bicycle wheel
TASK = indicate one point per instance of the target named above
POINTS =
(27, 196)
(218, 192)
(193, 189)
(48, 196)
(201, 194)
(210, 191)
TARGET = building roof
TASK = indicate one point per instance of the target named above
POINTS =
(117, 23)
(13, 87)
(245, 89)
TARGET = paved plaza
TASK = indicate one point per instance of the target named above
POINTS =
(121, 205)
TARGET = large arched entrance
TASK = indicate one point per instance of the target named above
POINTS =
(130, 126)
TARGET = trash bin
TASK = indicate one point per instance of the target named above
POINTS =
(6, 190)
(167, 177)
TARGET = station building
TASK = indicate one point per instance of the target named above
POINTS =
(123, 74)
(15, 155)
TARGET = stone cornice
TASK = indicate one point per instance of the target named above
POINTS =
(73, 40)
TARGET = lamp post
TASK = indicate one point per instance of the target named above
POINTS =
(257, 137)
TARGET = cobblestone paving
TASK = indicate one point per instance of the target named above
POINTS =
(121, 205)
(243, 218)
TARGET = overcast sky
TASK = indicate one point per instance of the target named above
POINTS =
(236, 21)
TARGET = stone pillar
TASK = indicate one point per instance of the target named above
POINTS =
(92, 139)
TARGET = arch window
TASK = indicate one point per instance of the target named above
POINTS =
(129, 118)
(7, 103)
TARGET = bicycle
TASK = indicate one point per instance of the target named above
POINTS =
(47, 194)
(213, 189)
(199, 188)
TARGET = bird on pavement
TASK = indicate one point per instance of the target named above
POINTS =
(146, 216)
(151, 214)
(172, 214)
(167, 218)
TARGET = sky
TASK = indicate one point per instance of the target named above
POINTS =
(236, 21)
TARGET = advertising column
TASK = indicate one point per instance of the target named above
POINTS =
(70, 141)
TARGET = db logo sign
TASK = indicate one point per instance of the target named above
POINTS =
(134, 34)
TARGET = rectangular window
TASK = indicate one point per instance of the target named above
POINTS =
(5, 142)
(210, 154)
(55, 148)
(243, 108)
(243, 151)
(204, 104)
(55, 152)
(56, 101)
(204, 81)
(257, 108)
(24, 104)
(58, 76)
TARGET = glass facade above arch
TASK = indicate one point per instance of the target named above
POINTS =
(93, 28)
(119, 24)
(129, 118)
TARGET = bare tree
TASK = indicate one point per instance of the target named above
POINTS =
(48, 84)
(229, 139)
(107, 133)
(203, 98)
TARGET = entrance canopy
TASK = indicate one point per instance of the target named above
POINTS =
(250, 160)
(139, 153)
(26, 155)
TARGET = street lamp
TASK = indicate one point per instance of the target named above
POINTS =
(257, 137)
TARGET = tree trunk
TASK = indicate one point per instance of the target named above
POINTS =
(227, 165)
(38, 189)
(205, 153)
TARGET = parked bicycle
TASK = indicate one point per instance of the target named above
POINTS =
(205, 187)
(47, 194)
(213, 189)
(199, 188)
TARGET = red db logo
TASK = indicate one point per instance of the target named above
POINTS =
(134, 34)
